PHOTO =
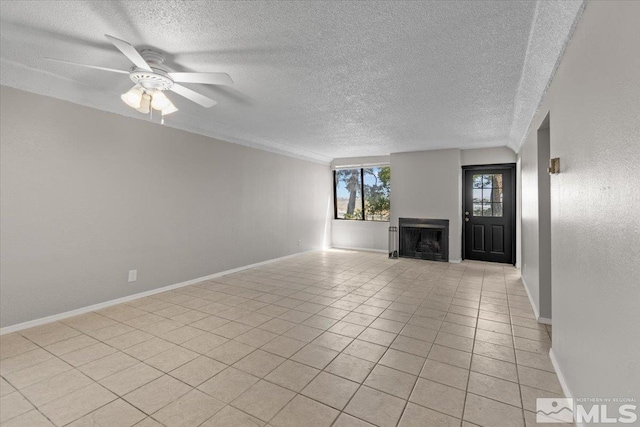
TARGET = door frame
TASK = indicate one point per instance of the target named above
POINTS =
(506, 166)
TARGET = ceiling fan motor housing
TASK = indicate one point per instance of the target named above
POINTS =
(156, 79)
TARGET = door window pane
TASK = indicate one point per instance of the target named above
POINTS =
(487, 194)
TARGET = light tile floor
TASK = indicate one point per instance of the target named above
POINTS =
(338, 338)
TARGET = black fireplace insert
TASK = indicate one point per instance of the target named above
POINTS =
(424, 238)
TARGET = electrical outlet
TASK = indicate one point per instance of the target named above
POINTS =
(133, 275)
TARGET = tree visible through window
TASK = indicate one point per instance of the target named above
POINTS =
(351, 184)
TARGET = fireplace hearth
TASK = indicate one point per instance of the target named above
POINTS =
(423, 238)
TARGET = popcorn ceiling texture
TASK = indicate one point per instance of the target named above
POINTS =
(313, 79)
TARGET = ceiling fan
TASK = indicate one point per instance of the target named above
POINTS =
(152, 79)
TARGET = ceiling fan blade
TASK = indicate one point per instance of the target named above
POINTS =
(95, 67)
(130, 52)
(204, 78)
(193, 96)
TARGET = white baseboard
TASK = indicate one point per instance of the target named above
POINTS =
(563, 382)
(348, 248)
(455, 261)
(94, 307)
(536, 312)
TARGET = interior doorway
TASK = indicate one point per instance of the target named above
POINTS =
(489, 213)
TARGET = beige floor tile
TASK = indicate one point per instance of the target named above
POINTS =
(346, 420)
(302, 411)
(303, 333)
(402, 361)
(319, 322)
(256, 337)
(411, 345)
(445, 374)
(148, 422)
(171, 359)
(88, 354)
(315, 356)
(110, 331)
(486, 412)
(494, 338)
(77, 404)
(377, 336)
(263, 400)
(230, 416)
(210, 323)
(365, 350)
(534, 360)
(332, 341)
(56, 387)
(283, 346)
(29, 419)
(292, 375)
(494, 326)
(192, 409)
(391, 381)
(439, 397)
(228, 384)
(198, 370)
(14, 344)
(494, 388)
(419, 332)
(108, 365)
(375, 407)
(495, 351)
(259, 363)
(157, 394)
(331, 390)
(530, 394)
(418, 416)
(12, 405)
(36, 373)
(72, 344)
(461, 359)
(48, 334)
(350, 367)
(147, 349)
(204, 343)
(128, 339)
(231, 330)
(347, 329)
(5, 387)
(183, 334)
(24, 360)
(116, 414)
(494, 367)
(277, 326)
(542, 380)
(130, 379)
(230, 352)
(533, 346)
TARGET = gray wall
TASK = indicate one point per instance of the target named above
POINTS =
(88, 195)
(594, 101)
(427, 184)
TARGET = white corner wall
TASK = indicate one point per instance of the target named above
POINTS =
(89, 195)
(428, 184)
(594, 105)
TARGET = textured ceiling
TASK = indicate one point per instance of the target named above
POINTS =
(315, 79)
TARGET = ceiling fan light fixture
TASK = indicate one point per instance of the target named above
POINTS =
(145, 104)
(133, 97)
(169, 109)
(159, 100)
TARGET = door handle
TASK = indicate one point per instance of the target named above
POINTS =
(466, 220)
(467, 213)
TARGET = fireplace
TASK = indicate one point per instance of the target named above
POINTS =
(424, 238)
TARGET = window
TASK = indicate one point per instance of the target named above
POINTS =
(350, 186)
(487, 194)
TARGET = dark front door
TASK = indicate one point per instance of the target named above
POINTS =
(489, 213)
